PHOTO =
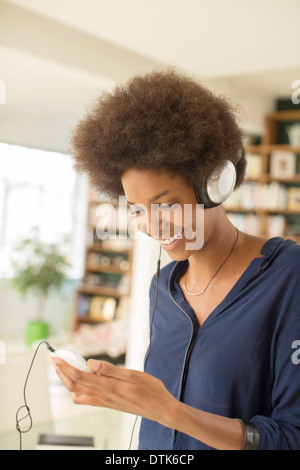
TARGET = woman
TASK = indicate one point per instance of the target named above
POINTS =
(219, 372)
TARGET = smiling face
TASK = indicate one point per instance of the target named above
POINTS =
(166, 208)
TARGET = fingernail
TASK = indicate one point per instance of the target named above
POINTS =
(93, 364)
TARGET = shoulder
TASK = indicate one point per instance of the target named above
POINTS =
(288, 251)
(284, 257)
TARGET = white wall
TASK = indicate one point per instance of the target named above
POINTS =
(15, 311)
(252, 106)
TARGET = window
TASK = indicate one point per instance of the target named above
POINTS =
(40, 190)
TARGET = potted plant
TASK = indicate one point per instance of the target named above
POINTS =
(38, 268)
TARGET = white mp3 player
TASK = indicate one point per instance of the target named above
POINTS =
(70, 357)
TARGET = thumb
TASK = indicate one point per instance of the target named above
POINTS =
(94, 365)
(109, 370)
(99, 367)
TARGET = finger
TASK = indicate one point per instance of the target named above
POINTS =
(69, 374)
(65, 378)
(79, 399)
(68, 369)
(82, 392)
(115, 372)
(83, 382)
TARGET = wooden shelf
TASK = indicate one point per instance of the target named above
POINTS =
(96, 302)
(270, 144)
(267, 148)
(101, 268)
(98, 247)
(100, 290)
(261, 211)
(87, 319)
(295, 179)
(284, 116)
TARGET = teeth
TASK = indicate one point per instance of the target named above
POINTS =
(167, 242)
(170, 240)
(178, 235)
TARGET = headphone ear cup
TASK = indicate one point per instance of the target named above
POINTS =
(219, 186)
(203, 198)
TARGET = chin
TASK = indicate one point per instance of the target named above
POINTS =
(179, 255)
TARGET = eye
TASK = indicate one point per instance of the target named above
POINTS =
(165, 206)
(135, 211)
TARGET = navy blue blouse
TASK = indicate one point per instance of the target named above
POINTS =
(243, 362)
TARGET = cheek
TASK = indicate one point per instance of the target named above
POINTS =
(163, 222)
(194, 228)
(192, 217)
(140, 224)
(170, 219)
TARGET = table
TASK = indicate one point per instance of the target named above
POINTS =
(102, 424)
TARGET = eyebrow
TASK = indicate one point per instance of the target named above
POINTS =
(163, 193)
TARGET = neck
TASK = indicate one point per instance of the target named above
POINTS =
(217, 245)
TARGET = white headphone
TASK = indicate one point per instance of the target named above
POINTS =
(220, 184)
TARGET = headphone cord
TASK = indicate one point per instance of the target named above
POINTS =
(156, 292)
(151, 323)
(26, 407)
(28, 415)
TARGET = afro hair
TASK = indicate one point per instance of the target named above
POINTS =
(163, 121)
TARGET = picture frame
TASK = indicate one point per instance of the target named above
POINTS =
(102, 308)
(293, 200)
(282, 164)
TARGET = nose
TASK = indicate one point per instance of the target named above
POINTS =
(152, 225)
(160, 231)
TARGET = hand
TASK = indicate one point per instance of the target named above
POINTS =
(142, 394)
(120, 389)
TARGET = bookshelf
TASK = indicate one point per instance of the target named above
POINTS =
(101, 301)
(268, 202)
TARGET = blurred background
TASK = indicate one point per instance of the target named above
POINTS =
(56, 57)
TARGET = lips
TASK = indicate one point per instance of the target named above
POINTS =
(173, 242)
